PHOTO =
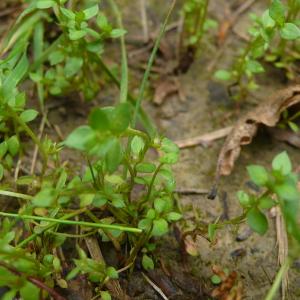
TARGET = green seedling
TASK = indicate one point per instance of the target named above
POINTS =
(195, 25)
(279, 21)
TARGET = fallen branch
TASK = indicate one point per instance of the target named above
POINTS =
(205, 138)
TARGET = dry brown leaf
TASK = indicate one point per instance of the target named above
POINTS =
(267, 113)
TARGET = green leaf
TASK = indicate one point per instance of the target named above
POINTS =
(111, 272)
(160, 227)
(99, 200)
(56, 57)
(211, 232)
(145, 167)
(1, 171)
(3, 149)
(77, 34)
(173, 216)
(118, 202)
(28, 115)
(159, 205)
(267, 21)
(169, 146)
(13, 145)
(215, 279)
(254, 66)
(45, 198)
(266, 202)
(73, 65)
(67, 13)
(99, 119)
(290, 31)
(116, 33)
(277, 12)
(147, 262)
(287, 191)
(80, 138)
(30, 291)
(114, 156)
(223, 75)
(293, 126)
(257, 221)
(244, 199)
(121, 118)
(16, 75)
(44, 4)
(282, 163)
(105, 295)
(169, 158)
(91, 12)
(151, 214)
(145, 224)
(137, 145)
(258, 174)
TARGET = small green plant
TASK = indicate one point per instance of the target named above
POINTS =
(119, 193)
(280, 189)
(195, 24)
(277, 22)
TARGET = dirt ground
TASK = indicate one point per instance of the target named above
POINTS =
(202, 111)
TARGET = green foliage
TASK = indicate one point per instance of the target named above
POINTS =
(278, 22)
(117, 192)
(280, 189)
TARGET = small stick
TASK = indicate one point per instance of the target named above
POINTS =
(35, 152)
(155, 287)
(205, 138)
(144, 20)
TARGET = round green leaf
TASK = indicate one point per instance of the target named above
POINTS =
(257, 221)
(290, 31)
(147, 262)
(160, 227)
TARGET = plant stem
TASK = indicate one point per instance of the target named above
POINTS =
(31, 135)
(16, 195)
(34, 281)
(276, 284)
(124, 64)
(149, 65)
(36, 234)
(69, 222)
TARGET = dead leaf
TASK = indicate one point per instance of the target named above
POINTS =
(267, 113)
(230, 288)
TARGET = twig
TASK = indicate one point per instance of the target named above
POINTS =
(155, 287)
(113, 286)
(282, 243)
(205, 138)
(34, 281)
(35, 152)
(144, 20)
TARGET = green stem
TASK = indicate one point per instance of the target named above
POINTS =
(146, 121)
(149, 65)
(16, 195)
(124, 64)
(202, 21)
(277, 282)
(31, 134)
(69, 222)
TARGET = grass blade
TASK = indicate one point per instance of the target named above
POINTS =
(150, 63)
